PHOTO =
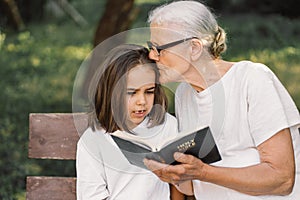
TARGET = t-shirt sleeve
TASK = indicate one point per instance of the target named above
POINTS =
(270, 107)
(91, 184)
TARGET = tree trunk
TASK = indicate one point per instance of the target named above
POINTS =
(14, 14)
(117, 17)
(72, 12)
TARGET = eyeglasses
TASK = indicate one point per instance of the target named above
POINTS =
(158, 49)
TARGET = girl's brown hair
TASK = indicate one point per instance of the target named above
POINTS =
(108, 89)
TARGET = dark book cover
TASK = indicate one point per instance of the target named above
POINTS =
(199, 143)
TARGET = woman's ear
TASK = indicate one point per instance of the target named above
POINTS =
(197, 48)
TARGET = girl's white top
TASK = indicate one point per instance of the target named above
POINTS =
(247, 106)
(103, 172)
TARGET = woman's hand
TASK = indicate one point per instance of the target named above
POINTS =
(189, 169)
(275, 175)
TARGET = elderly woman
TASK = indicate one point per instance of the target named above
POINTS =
(252, 117)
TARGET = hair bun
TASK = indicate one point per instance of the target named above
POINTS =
(219, 44)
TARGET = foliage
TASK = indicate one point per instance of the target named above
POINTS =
(285, 8)
(2, 38)
(272, 40)
(38, 68)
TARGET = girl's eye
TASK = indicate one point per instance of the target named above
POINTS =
(150, 92)
(130, 93)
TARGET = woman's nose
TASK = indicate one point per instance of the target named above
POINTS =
(153, 55)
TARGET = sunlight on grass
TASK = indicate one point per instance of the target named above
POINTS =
(24, 36)
(75, 52)
(21, 196)
(11, 47)
(35, 61)
(2, 38)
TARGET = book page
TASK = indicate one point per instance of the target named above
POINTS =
(132, 138)
(146, 144)
(180, 135)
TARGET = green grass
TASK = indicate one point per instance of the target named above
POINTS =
(38, 67)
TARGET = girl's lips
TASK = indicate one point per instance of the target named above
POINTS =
(139, 113)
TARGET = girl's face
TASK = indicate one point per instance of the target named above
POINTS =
(140, 93)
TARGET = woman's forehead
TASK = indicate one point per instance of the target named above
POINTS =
(165, 32)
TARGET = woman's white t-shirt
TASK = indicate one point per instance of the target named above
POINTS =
(104, 173)
(247, 106)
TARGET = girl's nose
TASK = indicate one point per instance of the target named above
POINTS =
(141, 99)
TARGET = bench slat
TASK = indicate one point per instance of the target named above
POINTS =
(50, 188)
(54, 135)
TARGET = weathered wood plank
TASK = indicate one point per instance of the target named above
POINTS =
(54, 135)
(50, 188)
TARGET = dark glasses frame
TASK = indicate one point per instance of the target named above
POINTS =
(158, 49)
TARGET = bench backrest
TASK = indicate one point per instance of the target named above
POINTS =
(53, 136)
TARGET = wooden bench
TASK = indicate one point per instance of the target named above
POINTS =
(53, 136)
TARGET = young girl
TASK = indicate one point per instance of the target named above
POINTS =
(128, 98)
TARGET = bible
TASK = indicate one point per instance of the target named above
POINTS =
(199, 143)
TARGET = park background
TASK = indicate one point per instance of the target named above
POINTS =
(42, 49)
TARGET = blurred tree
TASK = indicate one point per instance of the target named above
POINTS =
(117, 17)
(12, 12)
(285, 8)
(15, 13)
(72, 12)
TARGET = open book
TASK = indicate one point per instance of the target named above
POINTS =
(199, 143)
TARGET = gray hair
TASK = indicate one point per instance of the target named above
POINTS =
(195, 20)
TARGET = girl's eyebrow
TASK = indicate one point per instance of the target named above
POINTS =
(151, 88)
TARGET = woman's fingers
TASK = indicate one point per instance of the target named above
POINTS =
(189, 168)
(167, 173)
(184, 158)
(154, 165)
